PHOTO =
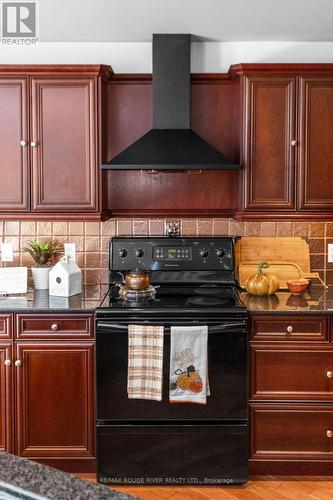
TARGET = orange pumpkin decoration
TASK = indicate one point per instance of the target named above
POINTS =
(262, 284)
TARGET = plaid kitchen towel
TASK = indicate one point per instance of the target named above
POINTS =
(189, 364)
(145, 362)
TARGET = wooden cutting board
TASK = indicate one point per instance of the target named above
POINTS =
(289, 258)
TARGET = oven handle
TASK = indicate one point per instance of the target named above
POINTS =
(222, 327)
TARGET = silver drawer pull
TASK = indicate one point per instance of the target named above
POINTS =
(7, 362)
(329, 374)
(329, 433)
(18, 362)
(54, 327)
(290, 329)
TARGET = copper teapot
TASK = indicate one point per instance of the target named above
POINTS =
(137, 279)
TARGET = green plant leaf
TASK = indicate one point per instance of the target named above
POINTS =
(43, 252)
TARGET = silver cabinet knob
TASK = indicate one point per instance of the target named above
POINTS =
(54, 327)
(290, 329)
(329, 374)
(293, 142)
(7, 362)
(329, 433)
(18, 362)
(23, 143)
(33, 144)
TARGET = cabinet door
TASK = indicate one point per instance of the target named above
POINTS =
(14, 173)
(55, 403)
(6, 398)
(283, 372)
(269, 153)
(291, 432)
(316, 140)
(64, 156)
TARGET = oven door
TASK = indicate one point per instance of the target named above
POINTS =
(227, 372)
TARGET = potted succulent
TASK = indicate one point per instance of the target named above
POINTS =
(44, 254)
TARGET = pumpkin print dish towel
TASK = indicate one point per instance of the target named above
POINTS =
(188, 364)
(145, 362)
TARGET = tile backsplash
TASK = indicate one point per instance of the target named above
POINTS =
(92, 238)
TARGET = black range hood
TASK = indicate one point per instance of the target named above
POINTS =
(171, 144)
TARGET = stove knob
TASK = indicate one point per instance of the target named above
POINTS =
(123, 253)
(139, 253)
(204, 253)
(220, 253)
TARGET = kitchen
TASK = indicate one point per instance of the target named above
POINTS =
(132, 148)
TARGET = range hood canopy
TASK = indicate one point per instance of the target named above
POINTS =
(171, 144)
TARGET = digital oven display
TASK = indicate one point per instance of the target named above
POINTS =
(173, 253)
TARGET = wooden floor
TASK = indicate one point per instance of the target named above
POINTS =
(259, 488)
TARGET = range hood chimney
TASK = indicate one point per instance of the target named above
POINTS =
(171, 144)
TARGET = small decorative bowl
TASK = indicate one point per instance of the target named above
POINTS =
(297, 287)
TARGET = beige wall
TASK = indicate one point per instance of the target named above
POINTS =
(92, 238)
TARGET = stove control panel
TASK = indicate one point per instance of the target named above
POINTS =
(163, 254)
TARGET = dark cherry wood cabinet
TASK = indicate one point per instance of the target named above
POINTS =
(54, 327)
(291, 394)
(14, 164)
(64, 144)
(269, 155)
(297, 433)
(282, 373)
(286, 140)
(60, 423)
(51, 141)
(6, 398)
(60, 122)
(47, 388)
(270, 327)
(315, 146)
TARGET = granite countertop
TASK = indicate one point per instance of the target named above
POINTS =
(316, 299)
(19, 477)
(41, 301)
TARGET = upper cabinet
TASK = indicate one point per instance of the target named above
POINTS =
(51, 140)
(59, 123)
(14, 164)
(269, 147)
(316, 141)
(287, 137)
(64, 145)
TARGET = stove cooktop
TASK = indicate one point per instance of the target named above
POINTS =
(179, 298)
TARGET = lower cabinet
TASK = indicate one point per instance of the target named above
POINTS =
(291, 395)
(6, 398)
(54, 400)
(47, 391)
(293, 432)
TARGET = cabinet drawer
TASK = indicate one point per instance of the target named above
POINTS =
(54, 326)
(6, 326)
(291, 432)
(292, 373)
(290, 328)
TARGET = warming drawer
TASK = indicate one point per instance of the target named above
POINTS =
(167, 454)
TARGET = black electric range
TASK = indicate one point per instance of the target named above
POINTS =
(151, 442)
